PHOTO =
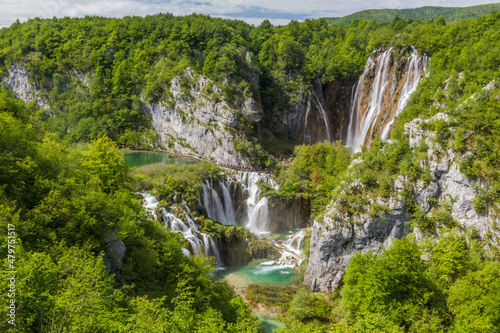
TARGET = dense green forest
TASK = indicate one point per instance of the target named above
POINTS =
(65, 187)
(427, 13)
(67, 203)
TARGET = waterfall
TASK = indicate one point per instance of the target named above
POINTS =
(257, 208)
(363, 118)
(324, 117)
(359, 130)
(218, 209)
(291, 249)
(199, 242)
(228, 204)
(414, 65)
(352, 129)
(307, 135)
(150, 204)
(211, 248)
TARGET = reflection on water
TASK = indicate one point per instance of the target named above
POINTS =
(140, 158)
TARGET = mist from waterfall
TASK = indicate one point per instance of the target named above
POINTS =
(361, 123)
(414, 66)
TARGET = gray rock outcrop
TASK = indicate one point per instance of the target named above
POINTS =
(336, 240)
(19, 81)
(198, 121)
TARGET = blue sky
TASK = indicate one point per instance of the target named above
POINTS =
(251, 11)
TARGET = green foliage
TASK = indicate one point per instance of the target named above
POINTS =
(388, 291)
(474, 300)
(314, 172)
(447, 14)
(172, 180)
(307, 307)
(78, 199)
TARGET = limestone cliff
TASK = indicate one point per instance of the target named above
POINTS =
(20, 82)
(304, 121)
(338, 237)
(197, 120)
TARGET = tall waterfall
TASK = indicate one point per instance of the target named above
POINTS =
(414, 65)
(199, 243)
(362, 122)
(307, 135)
(373, 112)
(324, 117)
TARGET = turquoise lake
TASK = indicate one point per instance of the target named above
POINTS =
(141, 158)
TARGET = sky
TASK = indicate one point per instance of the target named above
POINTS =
(279, 12)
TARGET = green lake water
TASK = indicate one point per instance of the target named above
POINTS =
(261, 271)
(257, 271)
(268, 322)
(140, 158)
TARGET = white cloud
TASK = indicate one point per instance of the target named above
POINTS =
(252, 11)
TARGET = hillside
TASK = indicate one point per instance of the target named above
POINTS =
(371, 149)
(427, 13)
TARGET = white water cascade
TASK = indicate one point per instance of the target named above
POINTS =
(291, 249)
(324, 117)
(361, 123)
(218, 209)
(257, 208)
(307, 135)
(199, 242)
(414, 65)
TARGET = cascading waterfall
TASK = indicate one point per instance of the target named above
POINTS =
(307, 135)
(358, 130)
(257, 208)
(324, 117)
(257, 219)
(199, 242)
(291, 249)
(150, 204)
(218, 209)
(415, 64)
(363, 118)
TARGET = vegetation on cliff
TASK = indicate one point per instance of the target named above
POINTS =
(67, 191)
(65, 204)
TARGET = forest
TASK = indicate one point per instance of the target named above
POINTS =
(65, 186)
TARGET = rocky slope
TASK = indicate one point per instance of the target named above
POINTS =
(336, 239)
(198, 121)
(20, 82)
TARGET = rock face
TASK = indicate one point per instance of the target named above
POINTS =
(335, 240)
(198, 121)
(295, 215)
(333, 243)
(19, 81)
(335, 99)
